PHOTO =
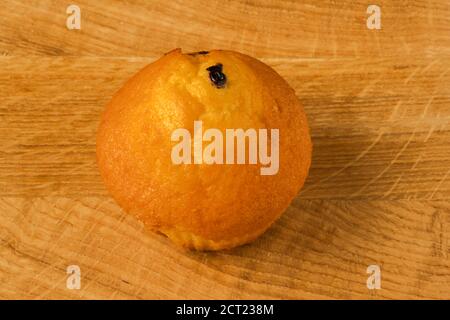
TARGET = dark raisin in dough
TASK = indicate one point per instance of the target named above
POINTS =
(218, 78)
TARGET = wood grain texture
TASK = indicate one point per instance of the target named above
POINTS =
(319, 249)
(378, 103)
(260, 27)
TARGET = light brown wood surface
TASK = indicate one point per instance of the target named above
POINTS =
(378, 103)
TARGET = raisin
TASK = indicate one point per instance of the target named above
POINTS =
(218, 78)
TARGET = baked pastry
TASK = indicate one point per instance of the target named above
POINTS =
(192, 197)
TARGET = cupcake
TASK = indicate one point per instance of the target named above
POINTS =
(208, 148)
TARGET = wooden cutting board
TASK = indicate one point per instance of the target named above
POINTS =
(378, 103)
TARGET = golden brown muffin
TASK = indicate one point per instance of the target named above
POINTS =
(202, 206)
